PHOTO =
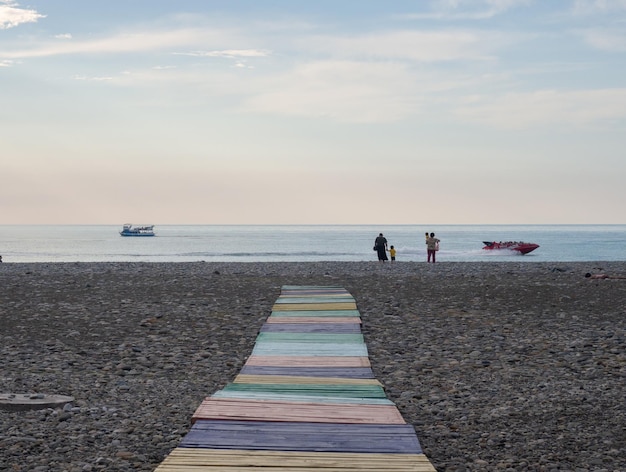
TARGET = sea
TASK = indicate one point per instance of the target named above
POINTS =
(305, 243)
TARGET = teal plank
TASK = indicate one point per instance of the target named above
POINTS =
(343, 372)
(322, 390)
(300, 398)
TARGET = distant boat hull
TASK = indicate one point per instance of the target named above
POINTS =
(137, 231)
(521, 247)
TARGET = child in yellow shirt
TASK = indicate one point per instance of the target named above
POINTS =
(392, 253)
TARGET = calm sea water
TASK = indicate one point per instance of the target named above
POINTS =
(212, 243)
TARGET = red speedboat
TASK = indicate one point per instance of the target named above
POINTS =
(522, 248)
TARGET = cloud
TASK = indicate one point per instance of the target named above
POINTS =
(122, 43)
(4, 63)
(419, 46)
(12, 15)
(467, 9)
(586, 7)
(63, 36)
(228, 53)
(546, 107)
(92, 79)
(610, 41)
(342, 91)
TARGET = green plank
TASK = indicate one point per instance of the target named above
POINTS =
(300, 398)
(311, 287)
(345, 391)
(316, 313)
(315, 300)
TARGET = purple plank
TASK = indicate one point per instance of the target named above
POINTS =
(345, 372)
(313, 292)
(310, 437)
(311, 328)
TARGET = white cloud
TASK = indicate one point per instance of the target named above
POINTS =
(123, 43)
(6, 63)
(467, 9)
(92, 79)
(63, 36)
(546, 107)
(228, 53)
(12, 15)
(612, 41)
(420, 46)
(339, 90)
(585, 7)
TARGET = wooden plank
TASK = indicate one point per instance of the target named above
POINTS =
(313, 300)
(316, 313)
(215, 408)
(315, 290)
(314, 306)
(302, 380)
(329, 296)
(328, 328)
(297, 436)
(300, 398)
(311, 319)
(347, 391)
(287, 288)
(345, 372)
(336, 338)
(315, 293)
(309, 361)
(310, 349)
(238, 460)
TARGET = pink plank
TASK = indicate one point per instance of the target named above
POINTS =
(269, 410)
(311, 319)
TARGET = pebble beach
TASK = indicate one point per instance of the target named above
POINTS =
(498, 366)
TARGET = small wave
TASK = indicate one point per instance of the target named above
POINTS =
(286, 254)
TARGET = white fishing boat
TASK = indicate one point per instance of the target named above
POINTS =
(130, 230)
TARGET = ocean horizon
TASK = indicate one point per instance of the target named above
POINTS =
(305, 243)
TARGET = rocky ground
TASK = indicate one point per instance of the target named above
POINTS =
(499, 366)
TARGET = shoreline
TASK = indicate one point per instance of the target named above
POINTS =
(341, 267)
(497, 365)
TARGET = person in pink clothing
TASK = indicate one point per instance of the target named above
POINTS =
(432, 246)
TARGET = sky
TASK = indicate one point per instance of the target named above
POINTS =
(325, 112)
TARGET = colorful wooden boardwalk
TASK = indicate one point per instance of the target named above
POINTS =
(306, 400)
